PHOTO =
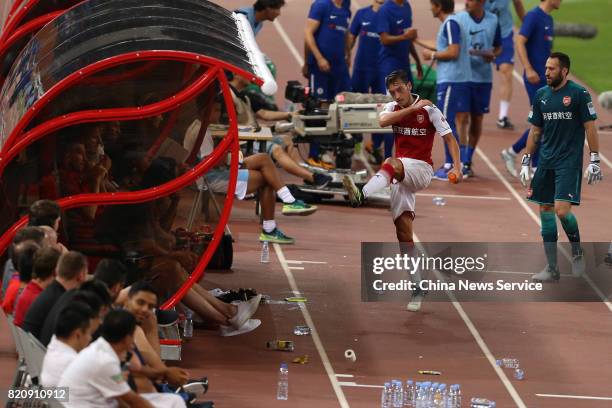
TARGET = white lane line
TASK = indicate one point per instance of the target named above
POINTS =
(480, 341)
(527, 273)
(603, 158)
(290, 261)
(536, 219)
(287, 41)
(354, 384)
(469, 197)
(586, 397)
(345, 375)
(300, 268)
(313, 329)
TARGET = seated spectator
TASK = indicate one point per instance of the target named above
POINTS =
(25, 257)
(71, 272)
(142, 301)
(72, 334)
(95, 376)
(25, 234)
(92, 292)
(113, 274)
(253, 107)
(45, 212)
(43, 274)
(51, 239)
(258, 173)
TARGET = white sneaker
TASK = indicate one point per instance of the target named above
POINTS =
(578, 264)
(245, 311)
(548, 274)
(508, 157)
(249, 325)
(415, 302)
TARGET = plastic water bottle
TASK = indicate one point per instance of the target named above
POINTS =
(481, 403)
(282, 392)
(188, 325)
(510, 363)
(410, 394)
(458, 398)
(519, 374)
(440, 396)
(265, 252)
(451, 397)
(398, 394)
(385, 398)
(418, 401)
(439, 201)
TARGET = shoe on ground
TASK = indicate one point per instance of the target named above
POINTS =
(504, 123)
(249, 325)
(416, 300)
(467, 170)
(321, 180)
(315, 162)
(509, 158)
(441, 174)
(578, 264)
(355, 195)
(548, 274)
(244, 312)
(298, 207)
(275, 237)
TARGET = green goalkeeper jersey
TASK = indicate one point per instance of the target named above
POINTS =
(561, 114)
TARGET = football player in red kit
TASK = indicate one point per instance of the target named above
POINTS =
(415, 122)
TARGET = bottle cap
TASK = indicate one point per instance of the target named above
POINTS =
(284, 365)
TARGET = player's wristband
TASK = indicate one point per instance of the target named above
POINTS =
(595, 157)
(526, 161)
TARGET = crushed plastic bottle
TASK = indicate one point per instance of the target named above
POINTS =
(481, 403)
(510, 362)
(519, 374)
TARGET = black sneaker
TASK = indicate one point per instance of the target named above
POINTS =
(321, 180)
(504, 123)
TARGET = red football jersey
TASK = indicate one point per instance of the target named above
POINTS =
(414, 134)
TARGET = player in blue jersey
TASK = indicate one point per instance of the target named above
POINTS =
(505, 61)
(533, 45)
(454, 70)
(327, 60)
(262, 10)
(484, 44)
(561, 115)
(366, 74)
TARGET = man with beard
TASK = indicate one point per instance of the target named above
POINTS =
(562, 113)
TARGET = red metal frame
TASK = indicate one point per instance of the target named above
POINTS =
(13, 20)
(230, 142)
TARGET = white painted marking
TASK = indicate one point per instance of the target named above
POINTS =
(313, 329)
(345, 375)
(527, 273)
(468, 197)
(354, 384)
(536, 219)
(289, 261)
(575, 397)
(481, 343)
(287, 41)
(301, 268)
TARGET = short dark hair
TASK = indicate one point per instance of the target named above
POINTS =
(564, 59)
(75, 315)
(25, 259)
(397, 75)
(99, 288)
(30, 233)
(117, 325)
(264, 4)
(90, 298)
(44, 212)
(111, 272)
(45, 261)
(70, 264)
(141, 286)
(447, 6)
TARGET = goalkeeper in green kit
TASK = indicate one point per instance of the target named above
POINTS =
(561, 115)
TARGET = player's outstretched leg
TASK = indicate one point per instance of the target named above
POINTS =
(391, 168)
(403, 229)
(570, 226)
(550, 236)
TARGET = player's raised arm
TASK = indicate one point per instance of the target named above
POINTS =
(388, 117)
